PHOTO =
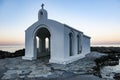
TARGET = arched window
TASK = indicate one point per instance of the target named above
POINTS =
(71, 44)
(78, 44)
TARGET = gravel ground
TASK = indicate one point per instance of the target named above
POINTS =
(40, 69)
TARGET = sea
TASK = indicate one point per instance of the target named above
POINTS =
(107, 45)
(11, 48)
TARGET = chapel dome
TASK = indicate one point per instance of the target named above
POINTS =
(42, 14)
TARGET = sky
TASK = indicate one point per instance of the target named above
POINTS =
(99, 19)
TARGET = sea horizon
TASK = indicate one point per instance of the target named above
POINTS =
(13, 48)
(106, 45)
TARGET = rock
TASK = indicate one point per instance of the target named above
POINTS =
(84, 77)
(2, 70)
(16, 68)
(38, 73)
(117, 76)
(95, 55)
(42, 71)
(11, 74)
(25, 72)
(18, 53)
(67, 74)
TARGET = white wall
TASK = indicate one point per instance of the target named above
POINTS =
(56, 43)
(86, 45)
(59, 42)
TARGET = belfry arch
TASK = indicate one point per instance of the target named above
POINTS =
(42, 42)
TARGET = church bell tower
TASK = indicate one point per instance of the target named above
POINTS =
(42, 14)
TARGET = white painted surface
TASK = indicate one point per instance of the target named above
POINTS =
(59, 41)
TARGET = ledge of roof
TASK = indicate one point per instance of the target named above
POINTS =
(72, 28)
(87, 36)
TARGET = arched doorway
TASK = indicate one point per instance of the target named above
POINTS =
(42, 42)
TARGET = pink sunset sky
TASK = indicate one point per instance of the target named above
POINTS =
(100, 19)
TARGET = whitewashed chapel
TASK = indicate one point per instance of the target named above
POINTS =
(63, 43)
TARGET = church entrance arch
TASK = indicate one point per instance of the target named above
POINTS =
(42, 42)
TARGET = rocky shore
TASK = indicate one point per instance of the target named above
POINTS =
(6, 54)
(40, 69)
(112, 51)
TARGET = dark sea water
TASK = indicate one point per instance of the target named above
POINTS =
(11, 48)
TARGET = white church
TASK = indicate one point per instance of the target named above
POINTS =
(61, 42)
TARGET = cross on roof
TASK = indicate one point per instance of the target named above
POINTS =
(42, 5)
